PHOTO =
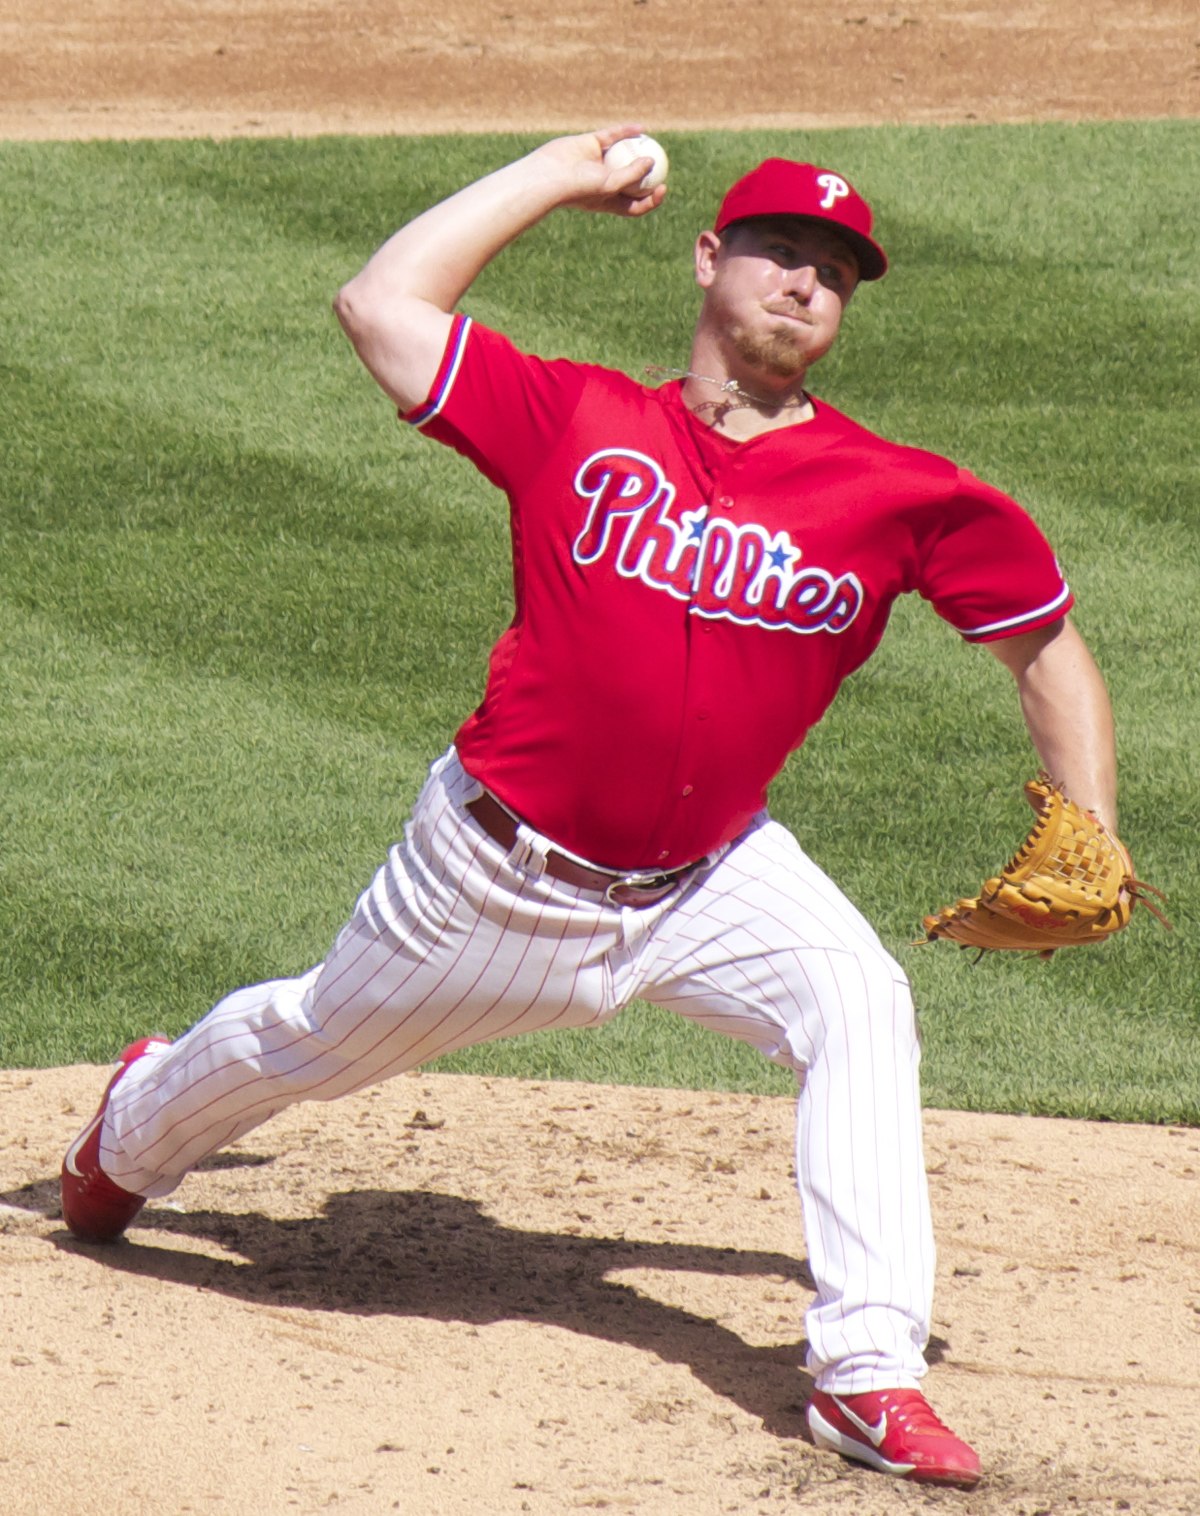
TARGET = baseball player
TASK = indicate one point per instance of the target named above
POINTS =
(697, 567)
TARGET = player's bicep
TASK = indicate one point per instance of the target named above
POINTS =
(400, 340)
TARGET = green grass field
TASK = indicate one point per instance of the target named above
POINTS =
(242, 608)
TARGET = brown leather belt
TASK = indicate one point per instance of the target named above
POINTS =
(634, 889)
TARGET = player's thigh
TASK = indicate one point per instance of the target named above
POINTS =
(766, 948)
(450, 946)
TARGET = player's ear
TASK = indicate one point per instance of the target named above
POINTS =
(708, 246)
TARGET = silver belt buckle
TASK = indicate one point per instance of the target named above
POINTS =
(652, 886)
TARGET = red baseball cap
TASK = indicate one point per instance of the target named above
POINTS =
(780, 187)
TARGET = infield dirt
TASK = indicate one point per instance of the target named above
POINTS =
(455, 1295)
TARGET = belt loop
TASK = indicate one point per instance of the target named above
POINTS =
(528, 855)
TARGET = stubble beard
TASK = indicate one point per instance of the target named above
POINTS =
(778, 354)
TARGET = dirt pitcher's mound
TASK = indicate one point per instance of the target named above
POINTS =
(454, 1295)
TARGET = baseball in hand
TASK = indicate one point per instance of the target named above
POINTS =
(630, 148)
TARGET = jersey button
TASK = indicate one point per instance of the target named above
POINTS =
(687, 790)
(664, 855)
(724, 502)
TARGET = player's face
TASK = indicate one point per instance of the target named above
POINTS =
(775, 290)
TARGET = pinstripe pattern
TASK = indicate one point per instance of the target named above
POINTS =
(768, 950)
(451, 944)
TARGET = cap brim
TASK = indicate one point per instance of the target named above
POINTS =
(872, 260)
(870, 257)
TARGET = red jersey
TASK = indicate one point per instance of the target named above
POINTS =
(687, 605)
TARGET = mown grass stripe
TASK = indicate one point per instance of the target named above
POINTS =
(241, 607)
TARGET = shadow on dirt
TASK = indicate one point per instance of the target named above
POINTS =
(437, 1256)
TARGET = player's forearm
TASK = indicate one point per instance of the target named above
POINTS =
(437, 257)
(1069, 716)
(396, 309)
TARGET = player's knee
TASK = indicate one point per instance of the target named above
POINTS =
(865, 996)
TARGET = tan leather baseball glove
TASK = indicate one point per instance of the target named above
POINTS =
(1070, 882)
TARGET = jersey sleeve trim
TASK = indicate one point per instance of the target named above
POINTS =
(447, 373)
(1027, 621)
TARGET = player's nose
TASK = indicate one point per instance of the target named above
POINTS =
(801, 281)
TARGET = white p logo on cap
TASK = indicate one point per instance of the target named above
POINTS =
(835, 189)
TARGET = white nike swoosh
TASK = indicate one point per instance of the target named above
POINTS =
(875, 1433)
(69, 1160)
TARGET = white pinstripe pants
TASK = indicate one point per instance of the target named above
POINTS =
(452, 944)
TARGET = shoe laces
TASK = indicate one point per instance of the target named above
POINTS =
(912, 1411)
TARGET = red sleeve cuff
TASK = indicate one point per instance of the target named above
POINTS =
(443, 382)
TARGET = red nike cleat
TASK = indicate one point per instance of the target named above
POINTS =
(896, 1432)
(96, 1209)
